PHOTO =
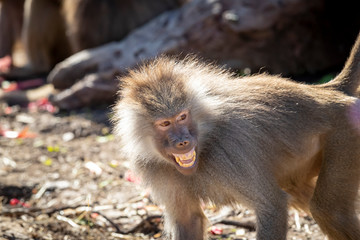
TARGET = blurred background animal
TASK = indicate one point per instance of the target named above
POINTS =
(51, 30)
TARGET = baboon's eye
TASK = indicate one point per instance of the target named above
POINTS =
(165, 124)
(182, 117)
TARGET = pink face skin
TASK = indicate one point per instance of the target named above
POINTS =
(177, 142)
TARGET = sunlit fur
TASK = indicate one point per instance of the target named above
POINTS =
(138, 120)
(263, 140)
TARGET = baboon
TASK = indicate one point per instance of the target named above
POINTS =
(196, 132)
(52, 30)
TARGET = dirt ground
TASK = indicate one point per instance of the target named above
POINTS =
(62, 177)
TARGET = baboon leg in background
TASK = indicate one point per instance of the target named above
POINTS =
(11, 18)
(44, 35)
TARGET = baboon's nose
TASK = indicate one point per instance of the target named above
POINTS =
(182, 144)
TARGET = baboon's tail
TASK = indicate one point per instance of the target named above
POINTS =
(348, 79)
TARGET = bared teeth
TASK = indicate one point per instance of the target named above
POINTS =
(186, 160)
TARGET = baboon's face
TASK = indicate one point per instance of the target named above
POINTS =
(176, 140)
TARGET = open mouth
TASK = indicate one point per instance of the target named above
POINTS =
(186, 160)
